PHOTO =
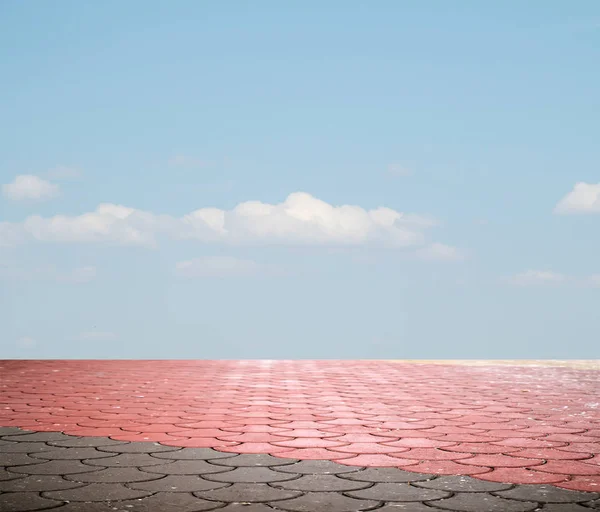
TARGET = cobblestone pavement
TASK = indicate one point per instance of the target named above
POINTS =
(51, 470)
(297, 436)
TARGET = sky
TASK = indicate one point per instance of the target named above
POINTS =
(300, 180)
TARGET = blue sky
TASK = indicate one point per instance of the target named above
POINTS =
(299, 179)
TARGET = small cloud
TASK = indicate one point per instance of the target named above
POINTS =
(584, 198)
(29, 187)
(441, 252)
(398, 171)
(537, 277)
(96, 336)
(63, 172)
(26, 342)
(186, 161)
(217, 266)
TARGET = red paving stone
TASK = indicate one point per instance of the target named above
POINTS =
(498, 423)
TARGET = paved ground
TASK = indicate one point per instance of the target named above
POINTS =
(298, 436)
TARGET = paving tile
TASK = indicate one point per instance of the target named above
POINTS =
(569, 467)
(500, 460)
(161, 501)
(398, 492)
(25, 447)
(193, 454)
(581, 483)
(326, 501)
(406, 507)
(37, 483)
(17, 459)
(79, 453)
(8, 475)
(7, 431)
(25, 502)
(125, 460)
(550, 454)
(250, 475)
(453, 483)
(312, 453)
(308, 442)
(54, 467)
(572, 507)
(321, 483)
(185, 467)
(377, 459)
(97, 492)
(317, 467)
(177, 483)
(547, 494)
(76, 442)
(252, 493)
(386, 475)
(251, 459)
(137, 447)
(447, 467)
(482, 502)
(521, 476)
(36, 436)
(114, 475)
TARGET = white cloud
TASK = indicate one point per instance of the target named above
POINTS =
(27, 186)
(537, 277)
(96, 336)
(299, 220)
(441, 252)
(217, 266)
(79, 275)
(63, 172)
(584, 198)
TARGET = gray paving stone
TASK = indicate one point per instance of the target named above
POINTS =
(386, 475)
(251, 507)
(125, 460)
(114, 475)
(97, 492)
(252, 493)
(26, 502)
(8, 475)
(462, 484)
(398, 492)
(159, 502)
(17, 459)
(37, 483)
(75, 442)
(547, 494)
(320, 467)
(25, 447)
(322, 483)
(483, 502)
(326, 502)
(138, 447)
(594, 504)
(406, 507)
(194, 454)
(178, 483)
(561, 507)
(257, 474)
(37, 436)
(8, 431)
(252, 459)
(54, 467)
(78, 453)
(186, 467)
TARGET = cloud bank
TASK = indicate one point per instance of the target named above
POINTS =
(299, 220)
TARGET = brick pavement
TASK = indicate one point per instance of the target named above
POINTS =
(297, 435)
